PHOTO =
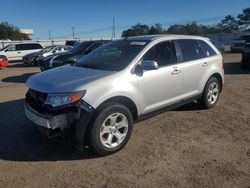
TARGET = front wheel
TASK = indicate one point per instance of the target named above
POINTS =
(211, 93)
(112, 128)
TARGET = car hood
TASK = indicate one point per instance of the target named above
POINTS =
(65, 79)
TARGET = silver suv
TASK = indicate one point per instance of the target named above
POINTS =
(103, 94)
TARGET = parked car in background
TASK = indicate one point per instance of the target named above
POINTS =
(71, 56)
(238, 44)
(31, 59)
(72, 42)
(218, 45)
(15, 52)
(100, 96)
(245, 61)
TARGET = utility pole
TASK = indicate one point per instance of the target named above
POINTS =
(113, 28)
(73, 32)
(49, 35)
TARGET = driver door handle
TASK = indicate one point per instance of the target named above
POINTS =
(176, 71)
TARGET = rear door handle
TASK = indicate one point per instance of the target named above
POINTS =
(204, 64)
(18, 52)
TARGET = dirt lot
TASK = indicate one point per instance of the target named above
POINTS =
(186, 147)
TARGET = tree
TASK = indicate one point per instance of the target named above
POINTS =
(138, 29)
(156, 29)
(11, 32)
(192, 29)
(244, 19)
(228, 24)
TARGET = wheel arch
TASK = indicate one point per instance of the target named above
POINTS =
(219, 77)
(129, 103)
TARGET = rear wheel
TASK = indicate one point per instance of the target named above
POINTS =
(111, 129)
(211, 93)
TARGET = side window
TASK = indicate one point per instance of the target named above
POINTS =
(34, 46)
(12, 47)
(207, 49)
(190, 49)
(163, 53)
(94, 46)
(24, 47)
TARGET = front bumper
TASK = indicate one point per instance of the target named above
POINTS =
(50, 121)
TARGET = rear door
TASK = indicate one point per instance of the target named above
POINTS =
(195, 57)
(29, 48)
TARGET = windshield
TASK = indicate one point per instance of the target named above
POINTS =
(47, 49)
(81, 47)
(114, 56)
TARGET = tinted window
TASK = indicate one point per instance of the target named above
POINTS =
(24, 47)
(208, 51)
(190, 49)
(163, 53)
(36, 46)
(94, 46)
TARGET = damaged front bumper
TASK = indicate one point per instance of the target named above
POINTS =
(61, 121)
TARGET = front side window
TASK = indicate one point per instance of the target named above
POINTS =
(114, 56)
(12, 47)
(190, 49)
(163, 53)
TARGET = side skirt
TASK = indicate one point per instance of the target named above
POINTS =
(167, 108)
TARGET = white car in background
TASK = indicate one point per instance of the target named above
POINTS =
(15, 52)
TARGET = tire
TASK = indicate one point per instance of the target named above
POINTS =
(107, 136)
(211, 93)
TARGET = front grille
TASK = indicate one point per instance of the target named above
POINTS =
(36, 100)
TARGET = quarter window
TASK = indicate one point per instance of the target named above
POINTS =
(207, 49)
(163, 53)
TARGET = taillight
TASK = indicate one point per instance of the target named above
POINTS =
(222, 63)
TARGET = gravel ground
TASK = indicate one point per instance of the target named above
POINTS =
(186, 147)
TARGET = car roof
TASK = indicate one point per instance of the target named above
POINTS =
(164, 36)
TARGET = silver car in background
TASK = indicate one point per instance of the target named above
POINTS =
(32, 58)
(104, 93)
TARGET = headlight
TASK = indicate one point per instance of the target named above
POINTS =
(63, 99)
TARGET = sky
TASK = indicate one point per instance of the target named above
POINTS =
(94, 18)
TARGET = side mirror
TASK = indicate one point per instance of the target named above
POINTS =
(146, 66)
(149, 65)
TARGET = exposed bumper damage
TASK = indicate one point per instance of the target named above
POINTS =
(73, 118)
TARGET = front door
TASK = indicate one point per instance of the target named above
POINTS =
(162, 87)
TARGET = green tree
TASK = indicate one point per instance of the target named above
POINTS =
(156, 29)
(138, 29)
(244, 19)
(228, 24)
(11, 32)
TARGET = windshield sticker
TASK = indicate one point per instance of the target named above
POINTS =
(137, 43)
